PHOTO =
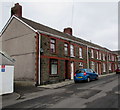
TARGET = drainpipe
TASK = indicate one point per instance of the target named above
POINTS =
(39, 82)
(38, 45)
(37, 59)
(87, 58)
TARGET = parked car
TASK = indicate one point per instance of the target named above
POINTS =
(117, 70)
(85, 75)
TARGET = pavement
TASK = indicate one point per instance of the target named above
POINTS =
(23, 93)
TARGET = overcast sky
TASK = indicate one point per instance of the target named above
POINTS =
(96, 22)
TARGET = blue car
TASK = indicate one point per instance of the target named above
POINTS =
(85, 75)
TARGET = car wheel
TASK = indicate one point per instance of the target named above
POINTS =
(88, 79)
(97, 78)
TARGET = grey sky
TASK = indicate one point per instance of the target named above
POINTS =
(93, 21)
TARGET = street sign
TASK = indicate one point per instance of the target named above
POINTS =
(2, 68)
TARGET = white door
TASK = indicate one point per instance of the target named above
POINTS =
(72, 70)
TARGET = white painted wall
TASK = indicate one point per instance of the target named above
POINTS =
(7, 80)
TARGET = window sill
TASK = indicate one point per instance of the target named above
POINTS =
(56, 75)
(72, 56)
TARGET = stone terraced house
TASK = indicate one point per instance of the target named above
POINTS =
(44, 55)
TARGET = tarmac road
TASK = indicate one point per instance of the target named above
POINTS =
(102, 93)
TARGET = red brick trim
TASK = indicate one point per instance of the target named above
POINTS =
(37, 59)
(52, 57)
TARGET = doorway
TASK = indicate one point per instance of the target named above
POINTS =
(99, 68)
(72, 70)
(66, 69)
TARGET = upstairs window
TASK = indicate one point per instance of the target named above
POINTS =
(71, 50)
(112, 58)
(118, 58)
(53, 45)
(109, 57)
(97, 54)
(92, 53)
(103, 56)
(66, 49)
(80, 53)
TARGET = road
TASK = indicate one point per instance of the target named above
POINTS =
(102, 93)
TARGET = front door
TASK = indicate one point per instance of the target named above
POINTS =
(99, 68)
(66, 69)
(72, 70)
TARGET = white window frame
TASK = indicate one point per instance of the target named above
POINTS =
(97, 54)
(104, 67)
(109, 57)
(110, 68)
(100, 55)
(72, 50)
(53, 63)
(112, 57)
(52, 45)
(103, 56)
(66, 48)
(92, 53)
(115, 66)
(80, 53)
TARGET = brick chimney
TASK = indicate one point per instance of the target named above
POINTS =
(68, 31)
(16, 10)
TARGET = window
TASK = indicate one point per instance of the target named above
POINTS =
(100, 55)
(103, 56)
(118, 58)
(109, 66)
(66, 49)
(115, 58)
(71, 50)
(53, 45)
(112, 58)
(104, 67)
(109, 57)
(97, 54)
(92, 65)
(53, 66)
(80, 52)
(92, 53)
(115, 66)
(81, 65)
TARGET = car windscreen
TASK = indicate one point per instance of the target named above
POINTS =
(79, 71)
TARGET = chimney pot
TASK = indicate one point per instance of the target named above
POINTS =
(68, 31)
(16, 10)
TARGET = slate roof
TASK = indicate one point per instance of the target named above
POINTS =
(38, 26)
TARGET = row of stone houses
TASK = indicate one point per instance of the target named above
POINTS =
(44, 55)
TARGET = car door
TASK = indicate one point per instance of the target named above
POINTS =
(89, 73)
(92, 74)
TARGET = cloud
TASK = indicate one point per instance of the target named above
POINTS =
(95, 21)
